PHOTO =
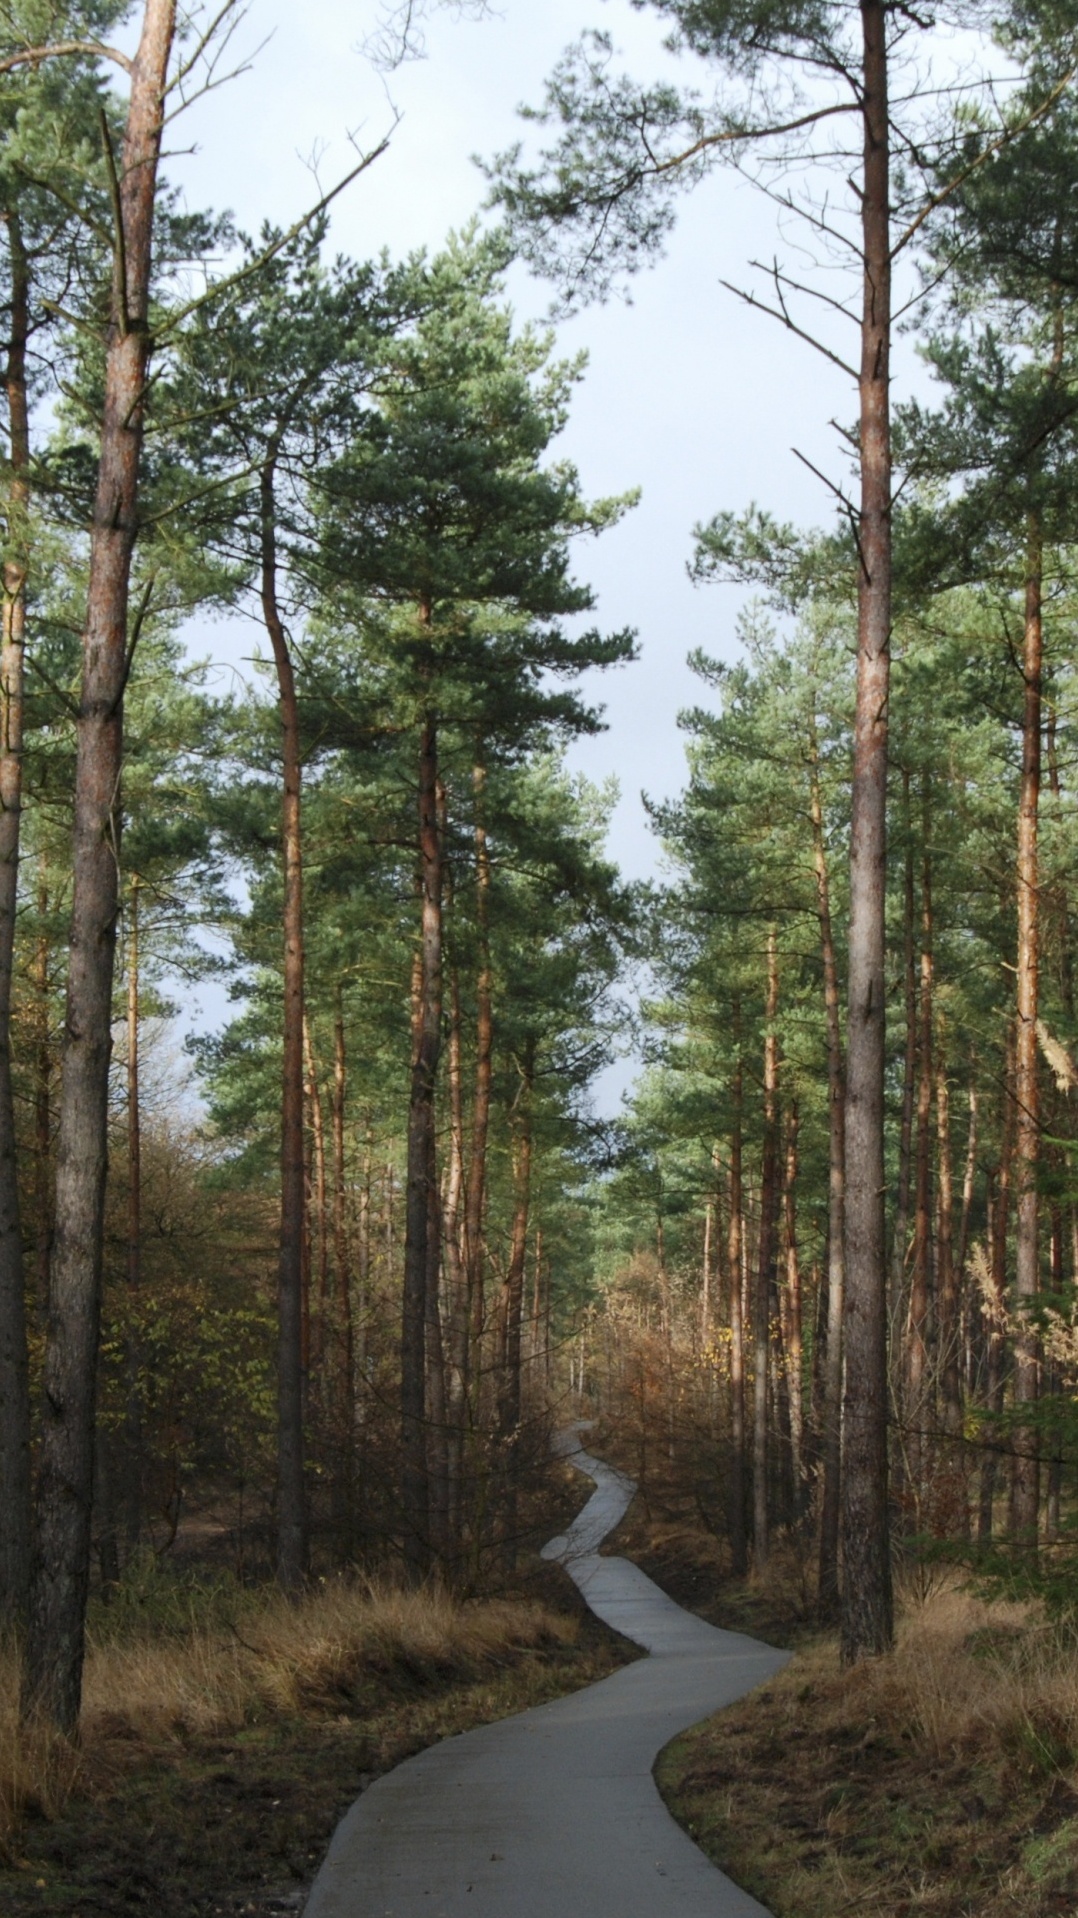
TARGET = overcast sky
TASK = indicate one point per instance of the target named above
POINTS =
(689, 395)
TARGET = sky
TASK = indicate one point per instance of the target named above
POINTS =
(689, 395)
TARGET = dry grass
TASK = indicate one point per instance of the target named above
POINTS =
(968, 1676)
(942, 1780)
(344, 1646)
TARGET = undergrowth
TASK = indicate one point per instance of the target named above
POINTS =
(225, 1731)
(942, 1780)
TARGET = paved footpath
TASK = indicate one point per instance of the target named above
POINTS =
(554, 1813)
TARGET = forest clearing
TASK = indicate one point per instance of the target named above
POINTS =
(305, 664)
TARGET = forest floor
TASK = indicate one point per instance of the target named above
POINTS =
(939, 1783)
(213, 1768)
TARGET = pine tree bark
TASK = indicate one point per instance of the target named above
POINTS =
(899, 1246)
(460, 1318)
(292, 1541)
(739, 1558)
(426, 1046)
(792, 1315)
(14, 1370)
(867, 1603)
(484, 1061)
(765, 1267)
(969, 1180)
(60, 1573)
(950, 1373)
(43, 1065)
(1025, 1485)
(510, 1398)
(320, 1183)
(133, 1416)
(917, 1326)
(836, 1209)
(995, 1311)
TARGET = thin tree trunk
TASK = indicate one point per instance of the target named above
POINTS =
(836, 1212)
(996, 1311)
(60, 1572)
(484, 1061)
(946, 1275)
(969, 1179)
(705, 1287)
(867, 1604)
(509, 1409)
(456, 1276)
(133, 1418)
(426, 1045)
(434, 1358)
(292, 1520)
(43, 1107)
(346, 1373)
(14, 1373)
(917, 1328)
(765, 1268)
(909, 1066)
(739, 1561)
(1024, 1470)
(321, 1184)
(792, 1315)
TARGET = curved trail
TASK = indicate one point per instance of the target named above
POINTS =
(554, 1813)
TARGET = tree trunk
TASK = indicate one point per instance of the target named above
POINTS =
(133, 1418)
(509, 1409)
(946, 1275)
(14, 1375)
(909, 1068)
(765, 1268)
(996, 1308)
(969, 1179)
(739, 1561)
(43, 1063)
(426, 1044)
(291, 1487)
(437, 1448)
(836, 1212)
(61, 1566)
(345, 1392)
(917, 1328)
(792, 1315)
(484, 1062)
(705, 1286)
(320, 1184)
(460, 1326)
(1025, 1486)
(867, 1604)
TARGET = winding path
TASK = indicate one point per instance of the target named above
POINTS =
(554, 1813)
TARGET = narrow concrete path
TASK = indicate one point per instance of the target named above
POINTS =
(554, 1813)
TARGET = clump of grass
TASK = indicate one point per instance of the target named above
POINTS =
(344, 1645)
(969, 1677)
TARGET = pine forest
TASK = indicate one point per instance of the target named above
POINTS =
(294, 1303)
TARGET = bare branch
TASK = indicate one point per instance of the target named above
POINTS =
(269, 253)
(847, 505)
(205, 39)
(774, 272)
(730, 135)
(1005, 139)
(782, 315)
(64, 49)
